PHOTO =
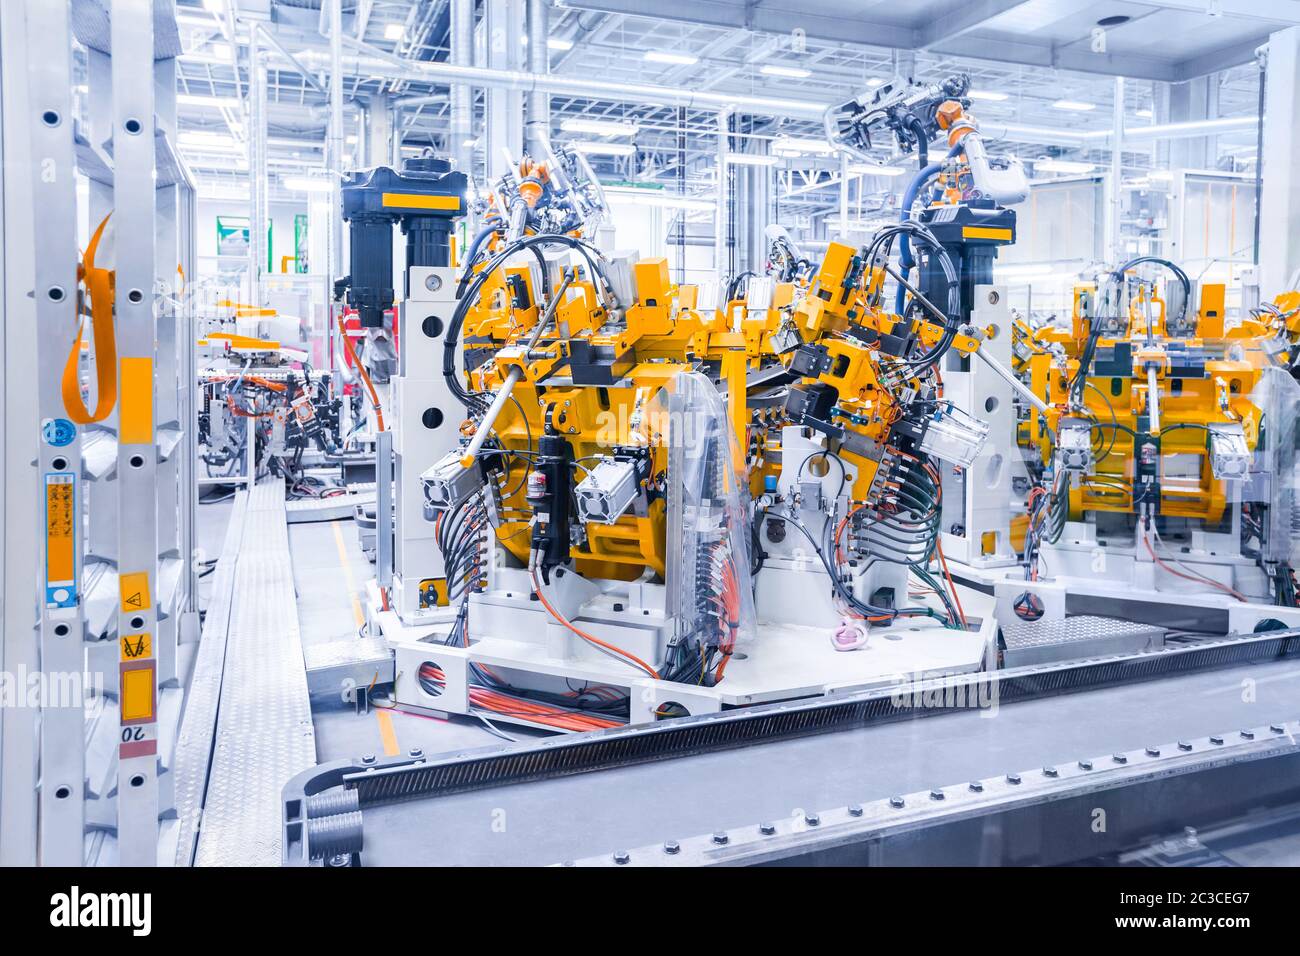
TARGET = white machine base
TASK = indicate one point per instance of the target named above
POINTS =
(1102, 595)
(785, 662)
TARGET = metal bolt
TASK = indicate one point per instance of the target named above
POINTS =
(976, 787)
(1277, 728)
(1248, 734)
(1050, 772)
(1013, 778)
(416, 752)
(1085, 764)
(1120, 758)
(897, 802)
(811, 819)
(368, 758)
(720, 837)
(622, 856)
(855, 810)
(936, 794)
(767, 829)
(671, 847)
(1216, 740)
(1184, 745)
(1153, 751)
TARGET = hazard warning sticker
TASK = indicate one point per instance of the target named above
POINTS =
(134, 588)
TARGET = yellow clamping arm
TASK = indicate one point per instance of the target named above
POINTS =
(99, 285)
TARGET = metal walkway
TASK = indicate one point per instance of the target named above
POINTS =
(263, 724)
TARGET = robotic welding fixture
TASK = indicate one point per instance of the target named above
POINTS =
(1168, 445)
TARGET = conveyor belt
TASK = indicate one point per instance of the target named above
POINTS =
(768, 762)
(264, 725)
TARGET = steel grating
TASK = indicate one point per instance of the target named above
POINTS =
(1085, 635)
(194, 746)
(264, 727)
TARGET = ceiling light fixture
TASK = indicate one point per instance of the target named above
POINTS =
(394, 31)
(559, 43)
(215, 102)
(663, 56)
(792, 72)
(991, 95)
(599, 127)
(871, 169)
(591, 148)
(751, 159)
(1076, 106)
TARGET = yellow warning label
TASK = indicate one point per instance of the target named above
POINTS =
(136, 647)
(137, 694)
(134, 588)
(60, 530)
(415, 201)
(135, 404)
(985, 232)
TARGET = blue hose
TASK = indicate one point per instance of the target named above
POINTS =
(914, 188)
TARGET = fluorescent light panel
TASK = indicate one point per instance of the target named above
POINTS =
(663, 56)
(792, 72)
(216, 102)
(751, 159)
(870, 169)
(1076, 106)
(599, 127)
(991, 95)
(592, 148)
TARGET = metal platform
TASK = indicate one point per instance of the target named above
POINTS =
(1026, 643)
(264, 733)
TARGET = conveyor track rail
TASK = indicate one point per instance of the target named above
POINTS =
(415, 776)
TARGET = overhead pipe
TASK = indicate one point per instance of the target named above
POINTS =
(537, 131)
(371, 61)
(462, 94)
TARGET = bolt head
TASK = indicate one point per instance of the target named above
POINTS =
(1085, 764)
(811, 819)
(720, 837)
(897, 802)
(622, 856)
(368, 758)
(1013, 778)
(672, 847)
(767, 829)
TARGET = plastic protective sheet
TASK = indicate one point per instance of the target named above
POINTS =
(709, 582)
(1273, 480)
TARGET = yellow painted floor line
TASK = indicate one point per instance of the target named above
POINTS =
(347, 572)
(387, 733)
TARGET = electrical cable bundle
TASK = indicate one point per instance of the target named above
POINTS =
(472, 284)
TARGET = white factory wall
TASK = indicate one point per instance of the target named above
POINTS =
(643, 228)
(281, 231)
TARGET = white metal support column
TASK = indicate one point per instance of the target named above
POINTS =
(1279, 249)
(257, 169)
(462, 94)
(137, 459)
(505, 108)
(52, 169)
(1114, 182)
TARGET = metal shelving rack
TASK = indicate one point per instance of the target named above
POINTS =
(87, 775)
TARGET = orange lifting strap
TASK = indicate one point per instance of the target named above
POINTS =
(99, 284)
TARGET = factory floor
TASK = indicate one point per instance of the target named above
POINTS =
(330, 572)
